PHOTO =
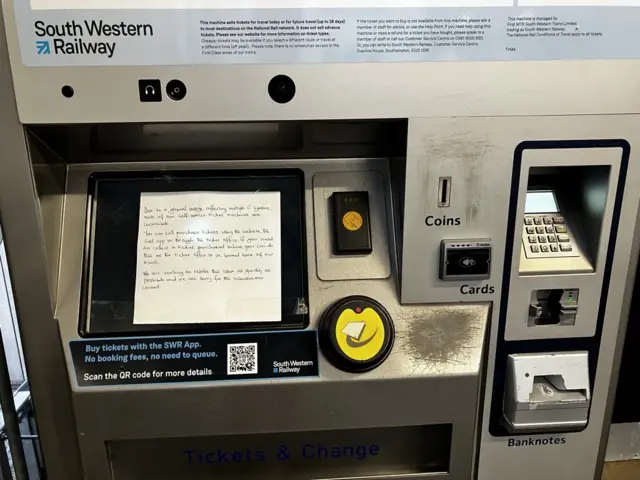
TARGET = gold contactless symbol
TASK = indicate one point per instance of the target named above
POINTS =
(352, 221)
(360, 334)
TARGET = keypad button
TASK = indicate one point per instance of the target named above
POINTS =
(539, 229)
(531, 230)
(542, 239)
(547, 220)
(528, 221)
(553, 247)
(544, 248)
(565, 247)
(150, 90)
(563, 238)
(558, 220)
(548, 229)
(537, 220)
(551, 238)
(535, 249)
(533, 239)
(561, 229)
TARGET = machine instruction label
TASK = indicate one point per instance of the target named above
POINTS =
(194, 358)
(72, 32)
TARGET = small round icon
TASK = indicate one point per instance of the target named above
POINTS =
(67, 91)
(352, 221)
(467, 262)
(281, 89)
(176, 90)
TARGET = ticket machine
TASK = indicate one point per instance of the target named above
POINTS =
(356, 240)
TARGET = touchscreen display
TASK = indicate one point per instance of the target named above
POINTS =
(195, 251)
(541, 202)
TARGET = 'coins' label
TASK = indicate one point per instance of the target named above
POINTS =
(352, 221)
(361, 335)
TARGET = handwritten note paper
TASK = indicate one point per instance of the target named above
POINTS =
(208, 257)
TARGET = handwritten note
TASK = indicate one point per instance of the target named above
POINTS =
(208, 257)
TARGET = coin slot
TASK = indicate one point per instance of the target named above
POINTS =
(444, 192)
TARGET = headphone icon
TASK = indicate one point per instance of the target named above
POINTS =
(149, 90)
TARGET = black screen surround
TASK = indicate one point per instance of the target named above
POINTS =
(110, 257)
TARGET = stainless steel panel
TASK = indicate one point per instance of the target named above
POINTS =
(623, 442)
(20, 214)
(431, 376)
(378, 452)
(479, 153)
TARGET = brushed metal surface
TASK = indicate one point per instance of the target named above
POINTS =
(431, 376)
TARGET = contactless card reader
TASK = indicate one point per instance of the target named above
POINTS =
(465, 259)
(351, 223)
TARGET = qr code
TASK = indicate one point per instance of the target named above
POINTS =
(242, 358)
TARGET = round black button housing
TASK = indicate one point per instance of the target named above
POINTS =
(356, 334)
(67, 91)
(176, 90)
(281, 89)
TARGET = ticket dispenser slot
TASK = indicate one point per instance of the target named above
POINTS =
(547, 392)
(553, 307)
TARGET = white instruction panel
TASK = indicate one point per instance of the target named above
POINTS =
(208, 257)
(192, 32)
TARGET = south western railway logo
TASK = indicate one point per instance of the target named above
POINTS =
(88, 37)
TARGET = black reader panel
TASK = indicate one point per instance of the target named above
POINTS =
(351, 223)
(465, 259)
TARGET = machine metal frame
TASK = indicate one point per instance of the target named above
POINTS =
(459, 115)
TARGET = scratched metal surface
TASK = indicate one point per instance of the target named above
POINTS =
(432, 375)
(431, 340)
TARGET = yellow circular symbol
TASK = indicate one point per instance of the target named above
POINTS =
(352, 221)
(360, 336)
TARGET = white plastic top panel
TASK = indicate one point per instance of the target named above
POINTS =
(253, 4)
(230, 4)
(206, 4)
(347, 52)
(170, 32)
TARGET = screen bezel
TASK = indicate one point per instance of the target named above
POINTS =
(297, 318)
